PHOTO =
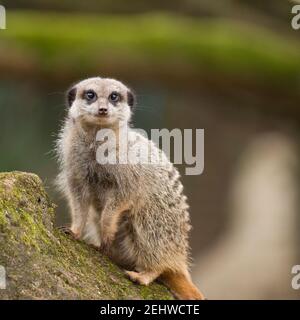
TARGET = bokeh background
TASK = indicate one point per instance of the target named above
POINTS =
(231, 67)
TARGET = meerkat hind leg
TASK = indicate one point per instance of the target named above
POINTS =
(143, 277)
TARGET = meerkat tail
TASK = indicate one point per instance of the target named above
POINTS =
(181, 285)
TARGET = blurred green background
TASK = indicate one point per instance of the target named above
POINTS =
(231, 67)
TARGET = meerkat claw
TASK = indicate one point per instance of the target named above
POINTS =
(66, 230)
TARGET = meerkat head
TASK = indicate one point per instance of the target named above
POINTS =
(100, 101)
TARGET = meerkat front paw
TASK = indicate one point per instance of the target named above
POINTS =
(67, 230)
(105, 245)
(106, 241)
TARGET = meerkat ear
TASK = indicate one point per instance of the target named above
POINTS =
(71, 95)
(131, 100)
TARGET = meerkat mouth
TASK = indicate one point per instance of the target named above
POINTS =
(96, 119)
(102, 116)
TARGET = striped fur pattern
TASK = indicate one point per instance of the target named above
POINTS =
(136, 213)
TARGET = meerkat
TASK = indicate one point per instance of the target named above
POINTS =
(135, 213)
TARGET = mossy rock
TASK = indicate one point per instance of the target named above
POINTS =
(43, 263)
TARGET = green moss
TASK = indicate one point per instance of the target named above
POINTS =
(19, 193)
(44, 263)
(2, 217)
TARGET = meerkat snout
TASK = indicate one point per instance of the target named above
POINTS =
(100, 101)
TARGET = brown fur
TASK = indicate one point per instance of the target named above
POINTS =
(137, 213)
(181, 286)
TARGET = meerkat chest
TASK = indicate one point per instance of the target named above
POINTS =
(100, 176)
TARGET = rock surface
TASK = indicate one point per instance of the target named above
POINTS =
(43, 263)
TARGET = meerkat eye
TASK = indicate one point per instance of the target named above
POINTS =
(90, 95)
(114, 97)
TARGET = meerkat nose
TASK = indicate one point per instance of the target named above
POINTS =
(102, 111)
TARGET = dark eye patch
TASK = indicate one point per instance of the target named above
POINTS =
(114, 97)
(90, 96)
(71, 96)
